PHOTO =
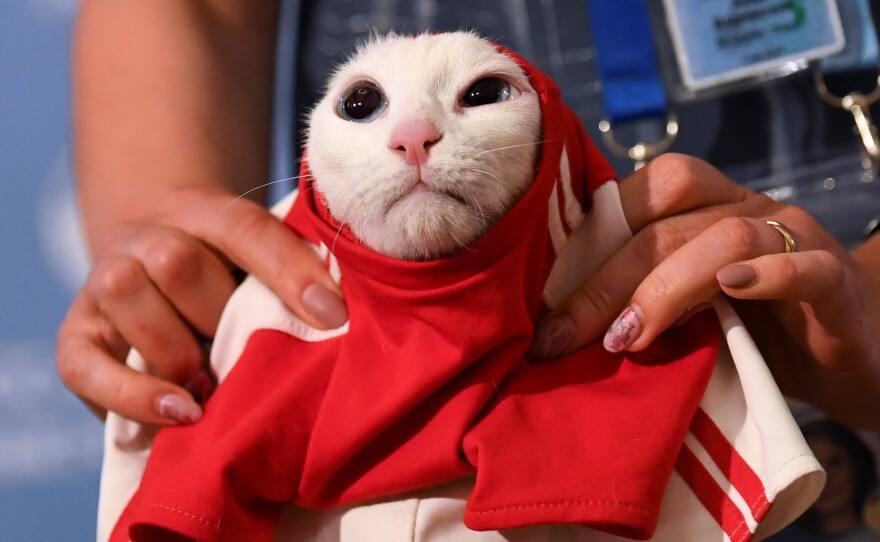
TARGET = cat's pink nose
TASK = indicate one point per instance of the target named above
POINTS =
(414, 138)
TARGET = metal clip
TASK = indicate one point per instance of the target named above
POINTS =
(641, 152)
(857, 104)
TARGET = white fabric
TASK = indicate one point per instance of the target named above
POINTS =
(574, 214)
(742, 400)
(602, 231)
(126, 449)
(748, 407)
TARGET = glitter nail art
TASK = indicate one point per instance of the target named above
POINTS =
(624, 331)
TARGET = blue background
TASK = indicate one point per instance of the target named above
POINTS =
(50, 445)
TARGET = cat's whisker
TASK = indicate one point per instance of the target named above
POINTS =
(531, 144)
(458, 242)
(481, 141)
(343, 223)
(240, 196)
(483, 220)
(308, 187)
(489, 174)
(493, 177)
(336, 237)
(334, 167)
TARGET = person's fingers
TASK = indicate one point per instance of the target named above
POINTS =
(146, 320)
(130, 393)
(185, 271)
(256, 241)
(810, 276)
(672, 184)
(586, 313)
(89, 360)
(818, 279)
(687, 278)
(687, 192)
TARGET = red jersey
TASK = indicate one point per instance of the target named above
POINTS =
(429, 382)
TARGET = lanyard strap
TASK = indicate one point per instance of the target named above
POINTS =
(632, 87)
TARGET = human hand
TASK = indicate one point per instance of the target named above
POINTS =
(813, 313)
(160, 288)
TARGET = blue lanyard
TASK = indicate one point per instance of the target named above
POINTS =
(632, 87)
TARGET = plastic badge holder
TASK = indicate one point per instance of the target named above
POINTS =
(665, 26)
(841, 193)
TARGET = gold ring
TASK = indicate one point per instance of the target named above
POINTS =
(790, 242)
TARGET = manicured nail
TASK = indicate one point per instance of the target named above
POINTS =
(178, 409)
(624, 331)
(325, 306)
(736, 276)
(201, 385)
(552, 338)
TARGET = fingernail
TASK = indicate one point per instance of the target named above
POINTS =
(178, 409)
(624, 331)
(325, 306)
(200, 386)
(736, 276)
(551, 339)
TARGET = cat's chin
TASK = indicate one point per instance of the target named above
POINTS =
(425, 225)
(422, 194)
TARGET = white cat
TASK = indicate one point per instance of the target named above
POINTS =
(458, 130)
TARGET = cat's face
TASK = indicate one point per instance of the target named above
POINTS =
(421, 144)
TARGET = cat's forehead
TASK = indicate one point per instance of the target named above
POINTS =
(449, 59)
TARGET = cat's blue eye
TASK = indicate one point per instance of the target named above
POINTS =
(488, 90)
(363, 102)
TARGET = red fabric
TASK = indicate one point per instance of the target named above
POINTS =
(429, 384)
(735, 468)
(715, 500)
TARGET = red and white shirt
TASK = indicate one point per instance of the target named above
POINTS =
(428, 383)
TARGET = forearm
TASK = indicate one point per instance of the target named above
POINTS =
(168, 94)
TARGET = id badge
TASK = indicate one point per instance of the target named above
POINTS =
(717, 42)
